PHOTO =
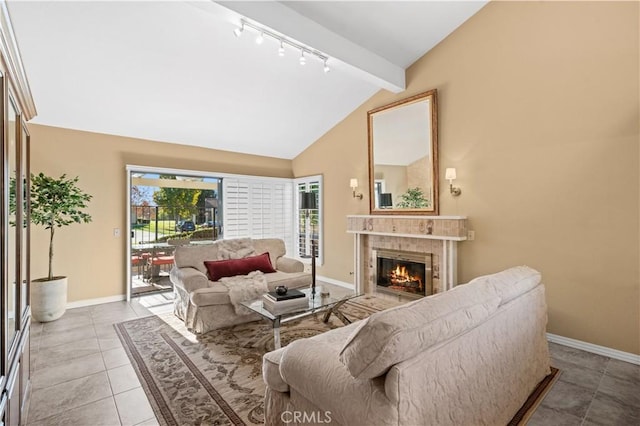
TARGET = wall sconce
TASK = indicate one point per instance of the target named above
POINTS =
(354, 184)
(450, 175)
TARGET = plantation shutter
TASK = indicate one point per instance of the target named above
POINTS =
(235, 208)
(258, 208)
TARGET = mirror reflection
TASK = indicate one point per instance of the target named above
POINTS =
(11, 230)
(403, 156)
(24, 233)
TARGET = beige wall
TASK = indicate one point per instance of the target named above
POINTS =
(538, 111)
(89, 254)
(419, 176)
(395, 180)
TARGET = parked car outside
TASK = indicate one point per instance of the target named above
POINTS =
(185, 226)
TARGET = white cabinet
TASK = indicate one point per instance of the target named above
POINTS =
(16, 104)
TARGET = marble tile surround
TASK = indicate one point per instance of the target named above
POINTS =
(446, 227)
(437, 235)
(417, 245)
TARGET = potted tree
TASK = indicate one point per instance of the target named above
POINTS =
(54, 203)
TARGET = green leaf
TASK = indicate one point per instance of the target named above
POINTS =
(56, 203)
(413, 199)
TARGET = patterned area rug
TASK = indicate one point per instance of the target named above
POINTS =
(215, 378)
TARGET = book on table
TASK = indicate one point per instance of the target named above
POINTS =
(283, 306)
(290, 294)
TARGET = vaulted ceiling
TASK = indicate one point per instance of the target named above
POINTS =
(174, 71)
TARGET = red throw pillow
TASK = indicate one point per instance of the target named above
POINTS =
(228, 268)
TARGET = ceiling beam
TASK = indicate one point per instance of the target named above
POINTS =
(355, 58)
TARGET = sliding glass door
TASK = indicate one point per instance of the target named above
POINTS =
(167, 208)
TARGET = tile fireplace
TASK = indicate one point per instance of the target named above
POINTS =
(435, 237)
(403, 273)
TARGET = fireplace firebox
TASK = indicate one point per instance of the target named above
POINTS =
(403, 272)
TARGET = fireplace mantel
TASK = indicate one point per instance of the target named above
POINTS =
(453, 228)
(437, 235)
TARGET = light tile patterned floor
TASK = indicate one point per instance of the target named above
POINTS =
(81, 376)
(592, 390)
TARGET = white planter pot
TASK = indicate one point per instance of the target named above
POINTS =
(48, 299)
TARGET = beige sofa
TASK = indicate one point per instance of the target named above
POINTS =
(469, 356)
(205, 305)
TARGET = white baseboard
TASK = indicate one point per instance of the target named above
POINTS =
(98, 301)
(596, 349)
(335, 282)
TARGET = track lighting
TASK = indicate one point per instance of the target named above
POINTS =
(282, 40)
(238, 31)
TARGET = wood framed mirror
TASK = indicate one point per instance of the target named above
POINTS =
(403, 156)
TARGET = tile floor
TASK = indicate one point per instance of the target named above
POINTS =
(82, 376)
(592, 390)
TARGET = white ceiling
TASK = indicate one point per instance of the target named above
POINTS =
(173, 71)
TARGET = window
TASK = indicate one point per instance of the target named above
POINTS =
(239, 206)
(309, 223)
(259, 208)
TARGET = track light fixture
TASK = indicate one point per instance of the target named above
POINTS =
(238, 31)
(304, 50)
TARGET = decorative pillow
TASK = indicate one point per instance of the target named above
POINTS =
(389, 337)
(228, 268)
(235, 248)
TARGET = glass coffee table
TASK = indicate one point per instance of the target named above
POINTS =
(327, 304)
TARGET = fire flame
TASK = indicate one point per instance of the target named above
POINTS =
(400, 272)
(401, 275)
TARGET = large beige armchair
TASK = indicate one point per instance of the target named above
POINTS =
(204, 304)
